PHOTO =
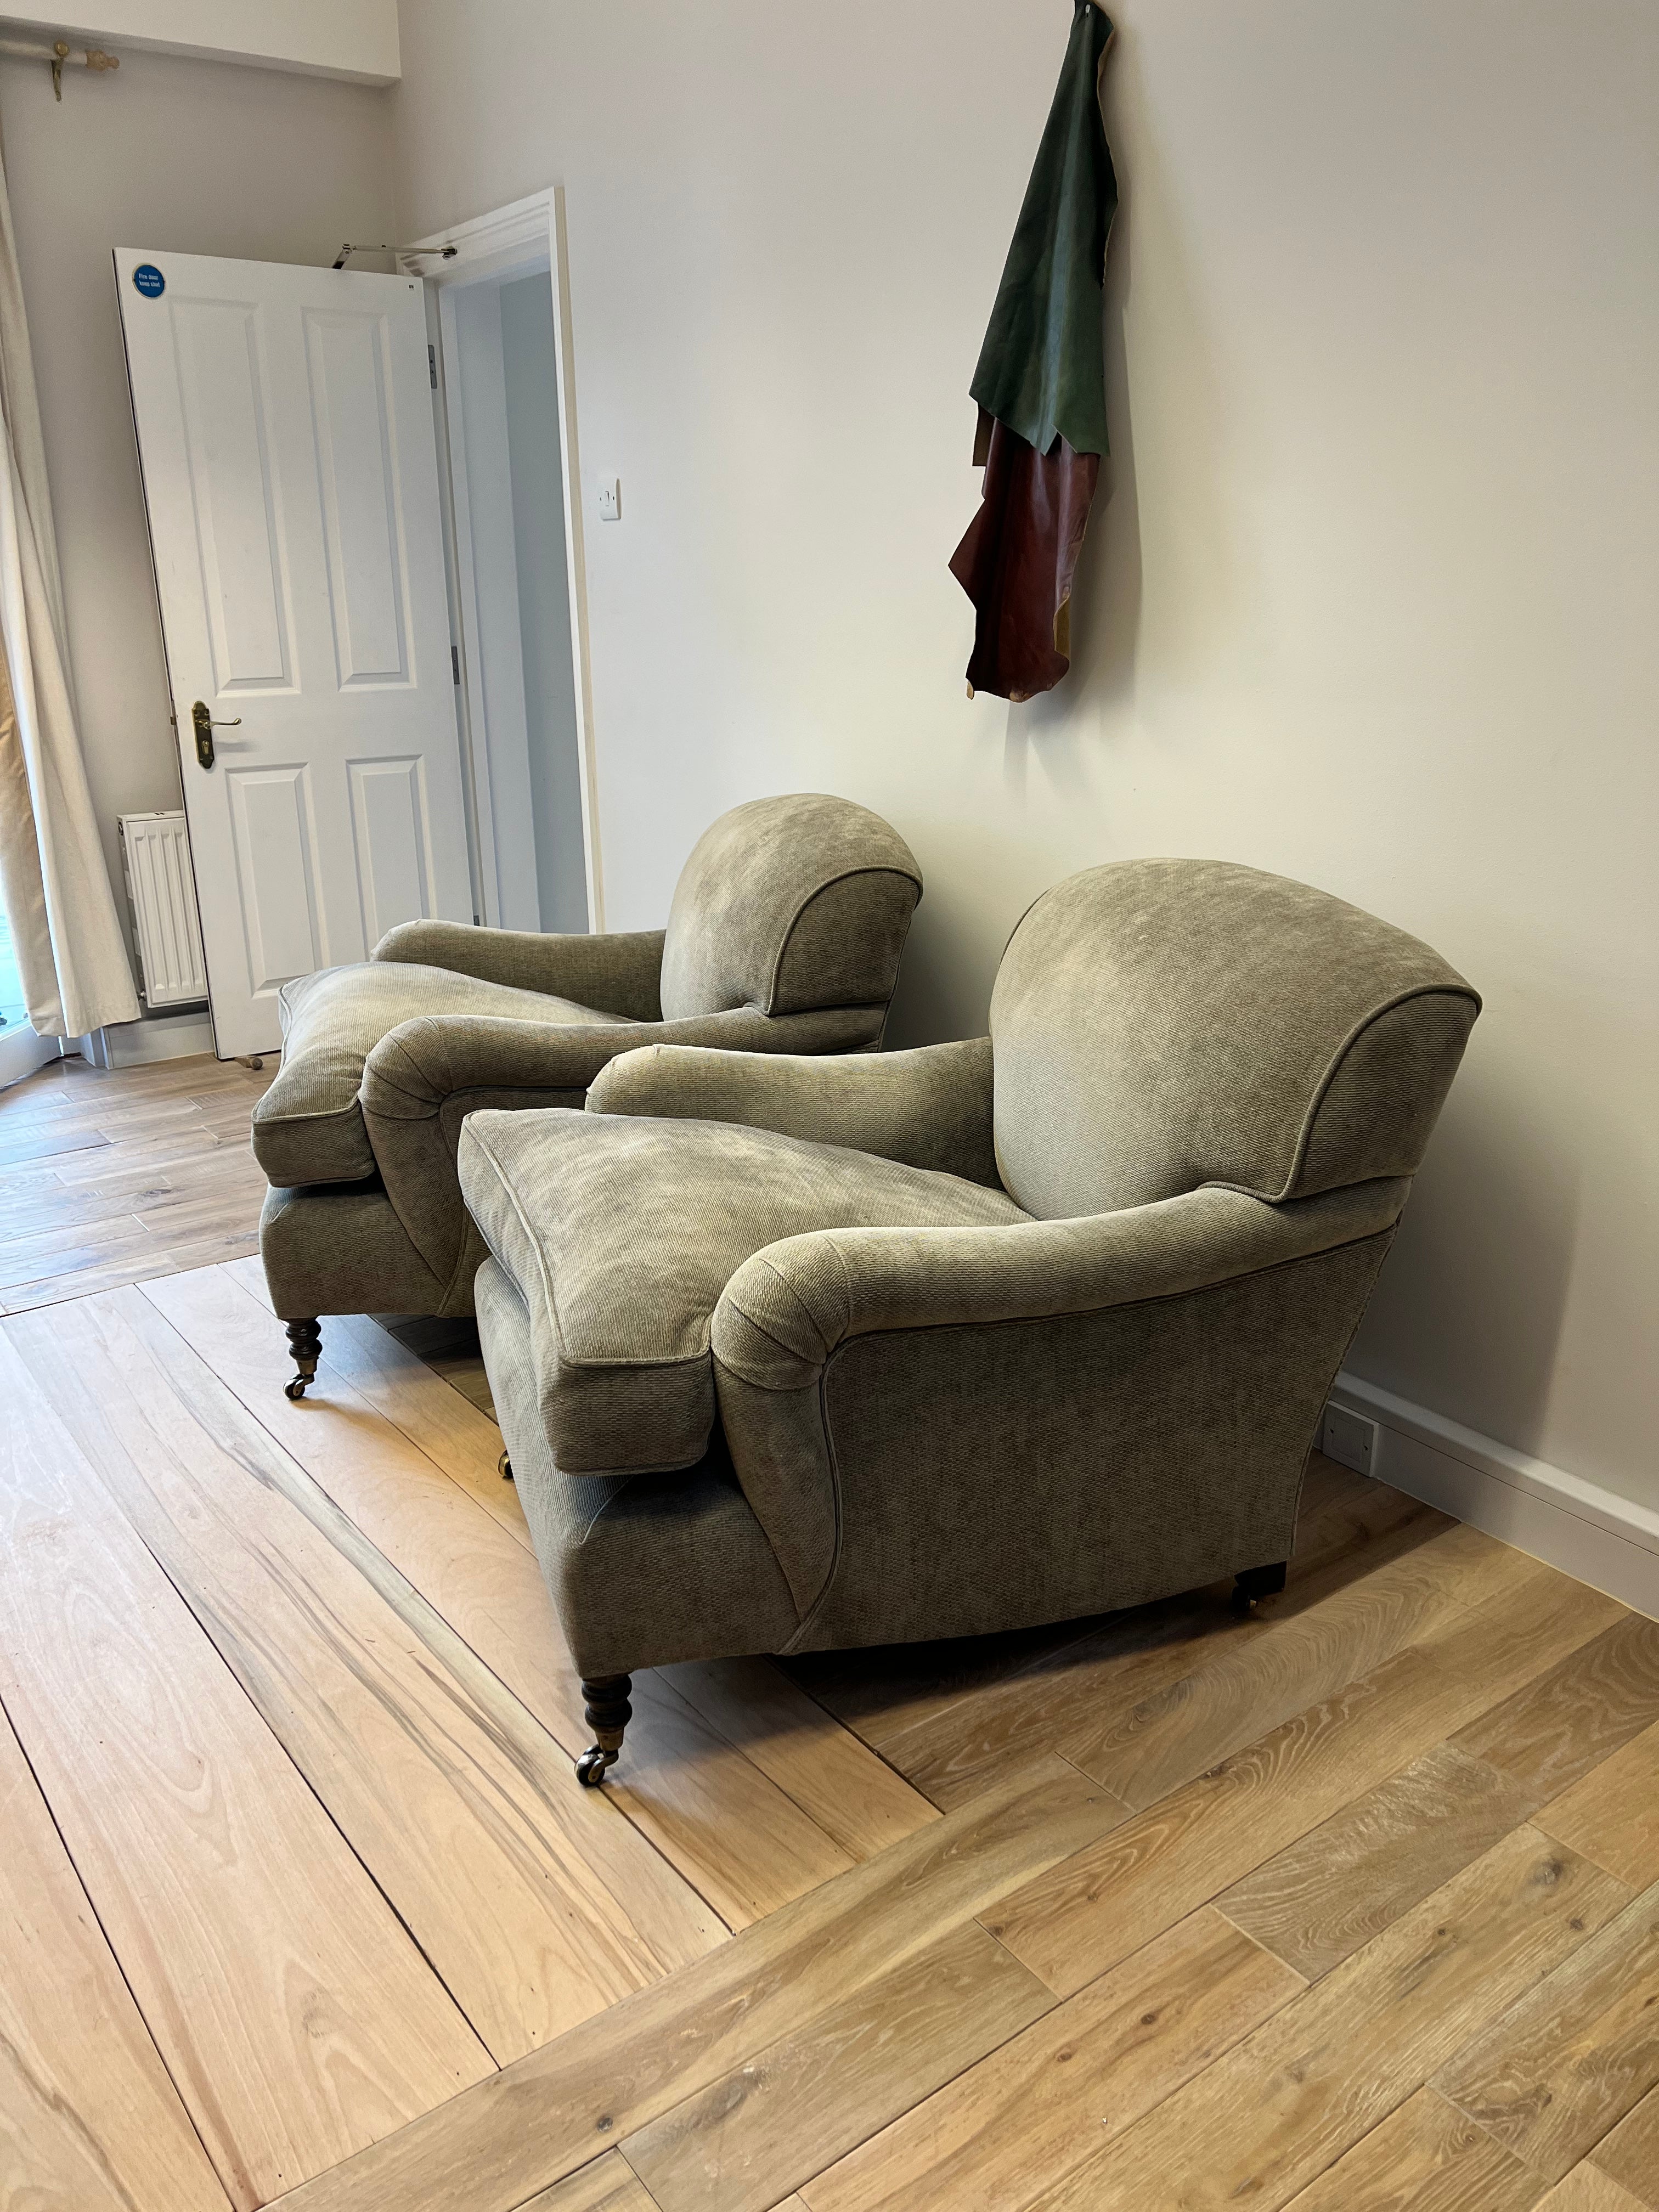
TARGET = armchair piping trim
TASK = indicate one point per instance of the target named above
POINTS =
(1385, 1235)
(1020, 1321)
(829, 884)
(1334, 1067)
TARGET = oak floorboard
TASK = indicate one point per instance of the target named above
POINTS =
(449, 1348)
(1425, 2157)
(89, 2121)
(294, 2015)
(1028, 2114)
(745, 2140)
(123, 1266)
(610, 2184)
(1291, 2100)
(1342, 1883)
(881, 1691)
(744, 1845)
(453, 1432)
(1630, 2152)
(464, 1812)
(1587, 2189)
(1235, 1696)
(47, 1203)
(1073, 1923)
(543, 2117)
(1156, 1695)
(1611, 1813)
(1558, 1726)
(854, 1795)
(46, 1144)
(81, 1169)
(27, 1256)
(1566, 2063)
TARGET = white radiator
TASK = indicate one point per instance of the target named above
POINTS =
(162, 890)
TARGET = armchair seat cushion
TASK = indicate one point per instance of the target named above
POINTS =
(309, 1127)
(620, 1235)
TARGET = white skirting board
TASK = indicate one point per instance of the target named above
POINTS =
(129, 1044)
(1588, 1532)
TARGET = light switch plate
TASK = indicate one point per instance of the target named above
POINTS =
(1348, 1438)
(611, 500)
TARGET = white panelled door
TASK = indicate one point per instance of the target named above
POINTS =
(285, 434)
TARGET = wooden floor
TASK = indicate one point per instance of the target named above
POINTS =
(1350, 1904)
(111, 1176)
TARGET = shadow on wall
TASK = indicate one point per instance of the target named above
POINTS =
(1488, 1236)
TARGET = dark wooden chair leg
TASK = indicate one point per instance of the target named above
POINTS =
(1258, 1582)
(604, 1701)
(305, 1339)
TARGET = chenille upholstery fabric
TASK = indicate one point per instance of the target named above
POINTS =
(309, 1127)
(787, 903)
(930, 1108)
(785, 936)
(944, 1404)
(643, 1568)
(1209, 1013)
(620, 1235)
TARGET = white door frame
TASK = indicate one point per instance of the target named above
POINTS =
(529, 232)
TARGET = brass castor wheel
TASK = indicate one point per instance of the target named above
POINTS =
(504, 1468)
(305, 1341)
(604, 1701)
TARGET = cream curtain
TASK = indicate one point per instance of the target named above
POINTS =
(64, 932)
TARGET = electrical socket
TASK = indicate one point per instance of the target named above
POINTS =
(1348, 1438)
(611, 500)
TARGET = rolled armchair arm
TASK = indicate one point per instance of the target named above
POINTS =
(787, 1309)
(929, 1108)
(424, 1078)
(619, 973)
(947, 1430)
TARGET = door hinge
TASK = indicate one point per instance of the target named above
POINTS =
(455, 662)
(432, 365)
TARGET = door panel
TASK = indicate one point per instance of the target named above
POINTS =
(285, 434)
(228, 451)
(276, 875)
(389, 814)
(350, 408)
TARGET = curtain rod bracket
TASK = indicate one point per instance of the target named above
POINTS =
(87, 57)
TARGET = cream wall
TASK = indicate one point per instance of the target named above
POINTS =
(338, 38)
(202, 158)
(1372, 604)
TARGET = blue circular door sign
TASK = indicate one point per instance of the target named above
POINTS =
(149, 280)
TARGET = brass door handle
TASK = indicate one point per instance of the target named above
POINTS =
(204, 726)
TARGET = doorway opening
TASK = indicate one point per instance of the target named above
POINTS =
(502, 370)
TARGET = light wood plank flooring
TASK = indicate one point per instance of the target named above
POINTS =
(117, 1175)
(1351, 1904)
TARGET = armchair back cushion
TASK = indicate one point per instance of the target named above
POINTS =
(1162, 1025)
(787, 904)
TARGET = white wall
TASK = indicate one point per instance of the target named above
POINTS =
(529, 374)
(200, 158)
(338, 38)
(1372, 604)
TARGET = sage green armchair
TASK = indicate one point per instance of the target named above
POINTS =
(797, 1354)
(784, 935)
